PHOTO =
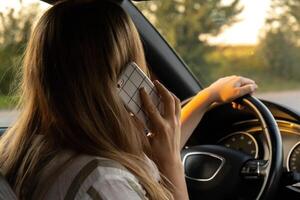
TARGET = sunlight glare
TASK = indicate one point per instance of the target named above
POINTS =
(247, 30)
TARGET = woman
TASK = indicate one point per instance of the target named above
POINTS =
(74, 138)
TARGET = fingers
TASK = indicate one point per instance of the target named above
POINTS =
(245, 81)
(167, 98)
(237, 106)
(171, 104)
(137, 121)
(246, 89)
(177, 106)
(245, 85)
(150, 109)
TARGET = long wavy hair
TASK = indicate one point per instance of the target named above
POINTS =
(75, 54)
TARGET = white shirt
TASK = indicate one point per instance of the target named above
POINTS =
(90, 178)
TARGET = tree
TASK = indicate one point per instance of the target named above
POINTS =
(15, 28)
(280, 44)
(187, 25)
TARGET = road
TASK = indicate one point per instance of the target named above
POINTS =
(287, 98)
(7, 117)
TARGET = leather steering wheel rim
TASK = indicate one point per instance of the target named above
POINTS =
(273, 140)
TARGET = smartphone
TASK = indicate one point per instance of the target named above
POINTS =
(130, 80)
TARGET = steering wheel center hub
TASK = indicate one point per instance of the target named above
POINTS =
(202, 166)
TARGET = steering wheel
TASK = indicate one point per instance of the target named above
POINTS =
(217, 172)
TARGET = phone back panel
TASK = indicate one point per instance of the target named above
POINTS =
(129, 83)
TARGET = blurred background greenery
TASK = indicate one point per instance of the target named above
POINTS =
(15, 29)
(273, 62)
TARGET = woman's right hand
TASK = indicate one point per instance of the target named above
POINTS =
(165, 128)
(166, 140)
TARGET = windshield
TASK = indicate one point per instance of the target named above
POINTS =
(257, 39)
(253, 38)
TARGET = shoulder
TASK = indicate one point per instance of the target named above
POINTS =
(90, 177)
(107, 179)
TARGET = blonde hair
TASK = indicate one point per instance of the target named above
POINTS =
(76, 52)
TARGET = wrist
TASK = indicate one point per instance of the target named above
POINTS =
(208, 96)
(199, 104)
(172, 170)
(174, 163)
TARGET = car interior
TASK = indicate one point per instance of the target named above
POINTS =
(249, 153)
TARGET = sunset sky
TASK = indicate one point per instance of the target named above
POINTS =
(244, 32)
(247, 30)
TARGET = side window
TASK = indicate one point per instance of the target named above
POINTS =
(257, 39)
(16, 19)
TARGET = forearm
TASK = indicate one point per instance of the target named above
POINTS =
(193, 112)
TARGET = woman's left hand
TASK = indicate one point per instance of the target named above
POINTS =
(222, 91)
(229, 88)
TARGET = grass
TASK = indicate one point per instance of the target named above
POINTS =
(245, 61)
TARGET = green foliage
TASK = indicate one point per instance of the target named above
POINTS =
(15, 28)
(246, 61)
(280, 44)
(238, 60)
(8, 102)
(281, 55)
(187, 24)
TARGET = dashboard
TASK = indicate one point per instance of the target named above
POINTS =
(240, 130)
(248, 138)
